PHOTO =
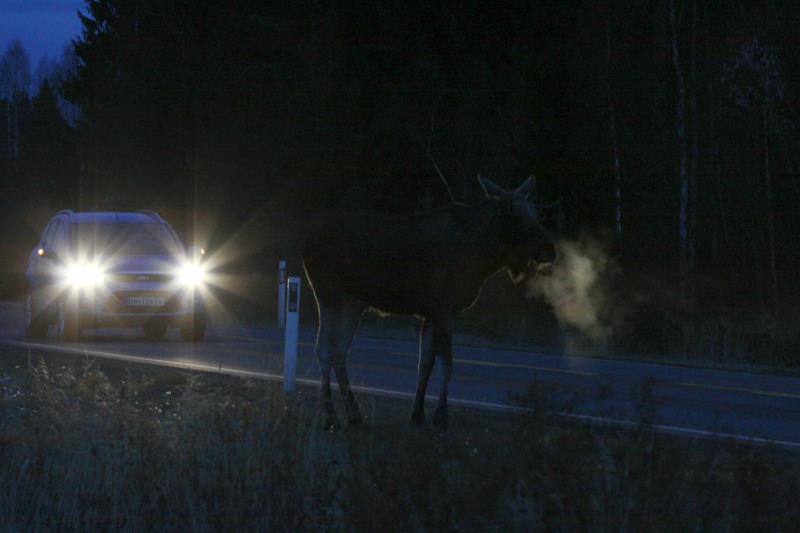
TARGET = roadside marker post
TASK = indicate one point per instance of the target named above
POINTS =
(281, 294)
(291, 334)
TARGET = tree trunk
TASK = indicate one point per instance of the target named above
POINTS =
(8, 130)
(695, 152)
(713, 145)
(612, 119)
(680, 125)
(714, 167)
(790, 172)
(757, 264)
(773, 275)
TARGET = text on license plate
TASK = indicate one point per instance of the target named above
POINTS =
(145, 301)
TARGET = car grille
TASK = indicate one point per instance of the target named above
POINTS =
(116, 302)
(128, 278)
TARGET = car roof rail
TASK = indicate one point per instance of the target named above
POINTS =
(151, 213)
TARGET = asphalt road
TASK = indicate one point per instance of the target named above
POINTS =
(696, 402)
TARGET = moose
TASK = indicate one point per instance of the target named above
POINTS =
(431, 265)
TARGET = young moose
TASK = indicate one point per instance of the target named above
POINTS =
(431, 265)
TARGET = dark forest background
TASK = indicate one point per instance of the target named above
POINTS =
(668, 129)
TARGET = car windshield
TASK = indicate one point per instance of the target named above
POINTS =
(92, 238)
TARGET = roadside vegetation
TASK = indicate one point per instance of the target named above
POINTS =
(103, 446)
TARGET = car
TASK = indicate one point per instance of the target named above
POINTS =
(113, 269)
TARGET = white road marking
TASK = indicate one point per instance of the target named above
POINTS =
(599, 420)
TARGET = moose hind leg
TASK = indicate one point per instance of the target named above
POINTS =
(348, 322)
(325, 349)
(424, 368)
(443, 348)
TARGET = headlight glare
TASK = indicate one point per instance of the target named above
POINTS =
(84, 275)
(192, 275)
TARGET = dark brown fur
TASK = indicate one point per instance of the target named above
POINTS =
(431, 265)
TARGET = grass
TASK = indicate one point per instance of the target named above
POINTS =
(103, 445)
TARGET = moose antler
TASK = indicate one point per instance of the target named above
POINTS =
(528, 186)
(433, 160)
(489, 187)
(446, 185)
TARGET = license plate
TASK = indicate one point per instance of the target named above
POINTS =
(144, 301)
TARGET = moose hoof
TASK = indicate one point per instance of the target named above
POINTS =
(354, 417)
(418, 419)
(330, 423)
(440, 419)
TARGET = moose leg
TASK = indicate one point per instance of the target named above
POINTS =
(424, 369)
(443, 348)
(324, 349)
(348, 321)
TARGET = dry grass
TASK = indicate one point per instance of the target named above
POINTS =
(103, 446)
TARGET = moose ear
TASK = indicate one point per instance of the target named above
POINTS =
(489, 188)
(483, 186)
(527, 187)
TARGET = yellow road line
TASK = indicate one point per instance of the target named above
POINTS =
(462, 361)
(760, 392)
(570, 371)
(507, 365)
(256, 339)
(496, 364)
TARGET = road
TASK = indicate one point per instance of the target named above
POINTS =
(695, 402)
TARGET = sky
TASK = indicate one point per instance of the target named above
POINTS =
(43, 26)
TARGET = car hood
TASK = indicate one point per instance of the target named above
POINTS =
(143, 264)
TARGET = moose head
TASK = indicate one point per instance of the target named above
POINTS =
(531, 245)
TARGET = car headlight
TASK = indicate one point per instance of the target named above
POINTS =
(84, 275)
(191, 275)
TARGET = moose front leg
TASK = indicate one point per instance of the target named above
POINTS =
(349, 316)
(443, 348)
(325, 398)
(424, 369)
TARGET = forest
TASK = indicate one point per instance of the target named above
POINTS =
(667, 131)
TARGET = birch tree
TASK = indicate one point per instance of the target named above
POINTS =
(612, 125)
(694, 160)
(686, 254)
(756, 86)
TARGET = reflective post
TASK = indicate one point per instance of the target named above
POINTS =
(291, 334)
(281, 293)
